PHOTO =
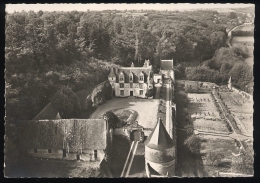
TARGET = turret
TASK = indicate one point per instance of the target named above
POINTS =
(160, 152)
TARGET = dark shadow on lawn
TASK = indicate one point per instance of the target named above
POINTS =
(121, 147)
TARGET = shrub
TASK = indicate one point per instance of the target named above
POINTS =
(149, 93)
(214, 158)
(193, 143)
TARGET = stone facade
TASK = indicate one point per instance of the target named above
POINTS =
(131, 81)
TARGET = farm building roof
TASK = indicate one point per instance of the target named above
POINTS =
(166, 64)
(48, 112)
(78, 133)
(159, 138)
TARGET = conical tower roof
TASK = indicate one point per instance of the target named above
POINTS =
(112, 73)
(159, 139)
(58, 116)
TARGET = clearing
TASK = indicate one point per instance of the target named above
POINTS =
(248, 42)
(204, 113)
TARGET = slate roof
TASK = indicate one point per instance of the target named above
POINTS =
(135, 71)
(48, 112)
(159, 139)
(44, 134)
(166, 65)
(112, 73)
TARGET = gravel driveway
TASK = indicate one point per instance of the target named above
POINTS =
(146, 108)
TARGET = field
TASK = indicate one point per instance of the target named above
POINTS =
(244, 28)
(241, 107)
(249, 43)
(223, 146)
(30, 167)
(204, 113)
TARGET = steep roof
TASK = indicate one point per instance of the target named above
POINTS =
(48, 112)
(159, 139)
(166, 65)
(135, 71)
(44, 134)
(112, 73)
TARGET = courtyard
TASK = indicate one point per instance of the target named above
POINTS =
(146, 108)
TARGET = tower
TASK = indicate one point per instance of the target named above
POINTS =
(160, 152)
(112, 77)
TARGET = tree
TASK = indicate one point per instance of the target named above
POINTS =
(149, 93)
(232, 15)
(112, 119)
(189, 129)
(193, 143)
(67, 102)
(214, 158)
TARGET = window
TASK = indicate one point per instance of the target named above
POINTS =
(95, 154)
(141, 85)
(141, 92)
(121, 85)
(131, 78)
(141, 78)
(121, 92)
(131, 85)
(121, 78)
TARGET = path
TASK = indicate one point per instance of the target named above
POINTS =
(229, 36)
(129, 159)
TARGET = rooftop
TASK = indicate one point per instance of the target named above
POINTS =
(159, 139)
(166, 65)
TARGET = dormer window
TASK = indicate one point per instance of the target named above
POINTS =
(141, 78)
(130, 77)
(121, 77)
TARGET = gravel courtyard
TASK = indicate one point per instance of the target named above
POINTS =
(146, 108)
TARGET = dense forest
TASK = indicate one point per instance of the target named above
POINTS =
(46, 51)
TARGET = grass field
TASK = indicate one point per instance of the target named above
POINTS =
(241, 107)
(222, 146)
(30, 167)
(242, 39)
(245, 41)
(204, 113)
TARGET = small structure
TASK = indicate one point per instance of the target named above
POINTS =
(167, 69)
(160, 153)
(230, 83)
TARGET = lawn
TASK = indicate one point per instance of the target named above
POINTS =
(122, 114)
(222, 146)
(241, 107)
(121, 147)
(243, 41)
(204, 113)
(138, 166)
(30, 167)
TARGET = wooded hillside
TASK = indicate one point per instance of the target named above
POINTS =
(48, 50)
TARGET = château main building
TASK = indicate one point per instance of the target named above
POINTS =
(131, 81)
